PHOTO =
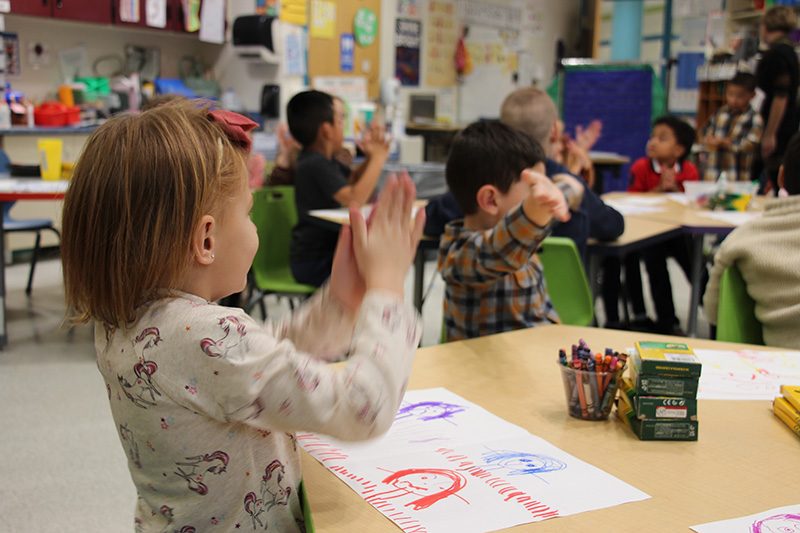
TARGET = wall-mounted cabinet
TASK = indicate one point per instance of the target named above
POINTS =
(175, 17)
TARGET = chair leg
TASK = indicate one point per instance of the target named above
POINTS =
(34, 259)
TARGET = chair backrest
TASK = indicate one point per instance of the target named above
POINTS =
(736, 317)
(566, 281)
(274, 215)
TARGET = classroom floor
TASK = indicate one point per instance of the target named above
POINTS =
(63, 469)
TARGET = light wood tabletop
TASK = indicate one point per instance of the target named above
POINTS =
(745, 461)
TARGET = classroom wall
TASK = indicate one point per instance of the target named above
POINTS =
(100, 40)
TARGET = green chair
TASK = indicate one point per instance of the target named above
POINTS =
(307, 518)
(566, 281)
(736, 317)
(274, 215)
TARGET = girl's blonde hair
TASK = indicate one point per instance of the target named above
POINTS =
(138, 192)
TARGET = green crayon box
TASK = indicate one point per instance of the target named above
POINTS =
(666, 359)
(661, 407)
(627, 388)
(649, 429)
(650, 385)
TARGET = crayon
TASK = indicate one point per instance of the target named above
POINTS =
(579, 386)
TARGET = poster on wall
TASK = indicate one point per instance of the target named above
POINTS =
(295, 52)
(347, 50)
(323, 19)
(533, 16)
(294, 12)
(441, 43)
(409, 8)
(407, 37)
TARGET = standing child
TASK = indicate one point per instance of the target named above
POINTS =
(494, 283)
(205, 399)
(665, 169)
(317, 121)
(731, 136)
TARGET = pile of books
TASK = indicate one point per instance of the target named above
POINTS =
(658, 400)
(787, 407)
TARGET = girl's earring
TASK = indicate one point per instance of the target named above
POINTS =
(212, 256)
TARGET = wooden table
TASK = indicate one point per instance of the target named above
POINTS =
(691, 223)
(746, 459)
(11, 191)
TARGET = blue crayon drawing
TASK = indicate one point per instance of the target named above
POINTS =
(426, 411)
(521, 463)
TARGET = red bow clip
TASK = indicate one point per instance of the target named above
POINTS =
(235, 125)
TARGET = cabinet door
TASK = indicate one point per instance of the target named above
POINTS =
(84, 10)
(42, 8)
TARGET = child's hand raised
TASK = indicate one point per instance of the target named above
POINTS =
(545, 201)
(384, 250)
(375, 142)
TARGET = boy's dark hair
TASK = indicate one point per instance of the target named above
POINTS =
(306, 112)
(684, 133)
(745, 80)
(791, 166)
(488, 153)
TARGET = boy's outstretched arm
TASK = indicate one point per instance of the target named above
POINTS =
(545, 201)
(572, 188)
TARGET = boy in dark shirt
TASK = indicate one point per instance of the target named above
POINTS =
(316, 121)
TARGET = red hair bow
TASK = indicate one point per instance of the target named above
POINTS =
(235, 125)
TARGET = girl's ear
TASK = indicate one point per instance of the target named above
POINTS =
(325, 130)
(488, 197)
(203, 240)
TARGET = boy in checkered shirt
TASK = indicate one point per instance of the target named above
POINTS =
(732, 134)
(494, 282)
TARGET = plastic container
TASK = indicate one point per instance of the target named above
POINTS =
(699, 193)
(50, 152)
(590, 395)
(56, 114)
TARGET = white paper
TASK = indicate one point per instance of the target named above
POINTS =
(28, 185)
(342, 215)
(156, 13)
(449, 465)
(783, 519)
(746, 374)
(212, 21)
(129, 10)
(735, 218)
(679, 197)
(626, 208)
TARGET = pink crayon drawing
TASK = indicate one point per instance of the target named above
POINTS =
(779, 523)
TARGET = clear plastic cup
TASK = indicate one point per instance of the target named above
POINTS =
(590, 395)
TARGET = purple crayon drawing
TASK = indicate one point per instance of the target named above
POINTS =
(429, 411)
(779, 523)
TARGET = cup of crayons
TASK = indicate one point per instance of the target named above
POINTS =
(591, 380)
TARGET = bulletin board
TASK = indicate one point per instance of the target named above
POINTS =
(494, 64)
(622, 97)
(324, 53)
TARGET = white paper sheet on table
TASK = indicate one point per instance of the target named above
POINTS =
(679, 197)
(746, 374)
(449, 465)
(632, 209)
(731, 217)
(33, 185)
(342, 215)
(773, 521)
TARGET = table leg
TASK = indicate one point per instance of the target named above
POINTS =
(694, 300)
(419, 277)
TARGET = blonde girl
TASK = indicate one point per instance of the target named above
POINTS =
(205, 399)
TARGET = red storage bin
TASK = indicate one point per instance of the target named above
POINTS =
(56, 114)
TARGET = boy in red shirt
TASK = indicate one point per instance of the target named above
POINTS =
(664, 170)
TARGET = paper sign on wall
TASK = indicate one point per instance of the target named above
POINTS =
(129, 10)
(323, 19)
(365, 26)
(294, 12)
(294, 52)
(407, 36)
(347, 48)
(156, 13)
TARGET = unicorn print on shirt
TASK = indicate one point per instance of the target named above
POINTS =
(194, 469)
(272, 494)
(143, 386)
(222, 346)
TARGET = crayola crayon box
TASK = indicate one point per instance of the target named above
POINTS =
(666, 359)
(792, 395)
(651, 385)
(649, 429)
(663, 407)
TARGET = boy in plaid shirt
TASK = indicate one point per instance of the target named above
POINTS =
(494, 282)
(732, 134)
